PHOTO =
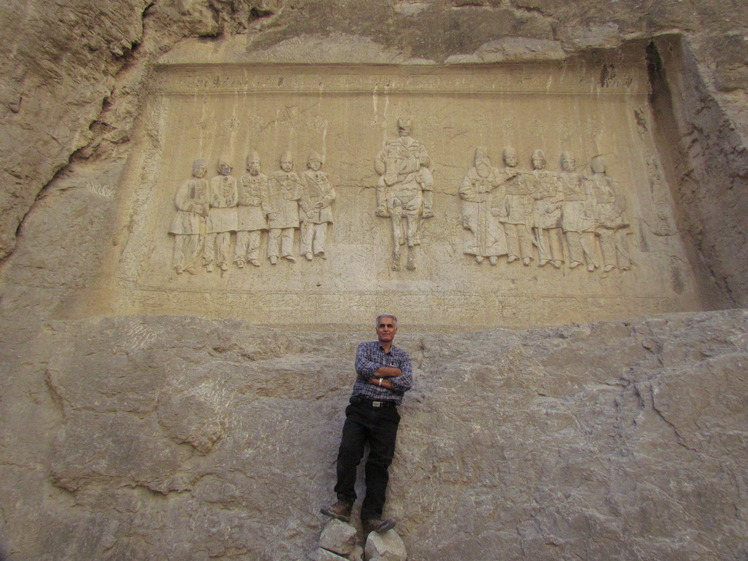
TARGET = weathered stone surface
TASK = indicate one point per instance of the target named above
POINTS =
(324, 555)
(185, 438)
(98, 85)
(622, 439)
(386, 547)
(338, 537)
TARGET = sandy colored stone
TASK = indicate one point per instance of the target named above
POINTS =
(387, 546)
(338, 537)
(163, 434)
(613, 438)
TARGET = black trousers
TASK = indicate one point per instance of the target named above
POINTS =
(376, 426)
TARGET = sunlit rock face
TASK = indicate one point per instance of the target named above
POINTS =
(206, 204)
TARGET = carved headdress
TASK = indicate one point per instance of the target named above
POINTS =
(252, 157)
(196, 165)
(314, 157)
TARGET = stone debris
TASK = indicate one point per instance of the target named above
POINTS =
(338, 537)
(338, 541)
(387, 546)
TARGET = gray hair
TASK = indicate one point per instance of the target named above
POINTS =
(380, 316)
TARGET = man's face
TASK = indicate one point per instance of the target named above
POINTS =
(224, 169)
(386, 329)
(538, 162)
(286, 164)
(314, 165)
(253, 167)
(568, 164)
(200, 171)
(510, 159)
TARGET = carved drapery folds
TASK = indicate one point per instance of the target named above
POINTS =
(211, 213)
(523, 215)
(544, 216)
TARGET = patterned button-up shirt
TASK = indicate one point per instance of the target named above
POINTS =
(369, 358)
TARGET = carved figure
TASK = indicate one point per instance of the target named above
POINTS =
(251, 213)
(221, 217)
(316, 213)
(515, 211)
(404, 190)
(477, 191)
(578, 215)
(284, 192)
(611, 218)
(546, 211)
(188, 226)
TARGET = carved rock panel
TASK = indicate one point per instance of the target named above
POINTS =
(413, 179)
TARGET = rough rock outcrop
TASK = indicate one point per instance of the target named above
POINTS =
(617, 439)
(186, 438)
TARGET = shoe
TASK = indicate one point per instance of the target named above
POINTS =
(378, 526)
(340, 510)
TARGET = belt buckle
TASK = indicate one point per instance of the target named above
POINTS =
(377, 404)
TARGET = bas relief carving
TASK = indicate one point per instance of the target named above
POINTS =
(316, 201)
(478, 193)
(524, 215)
(405, 190)
(252, 211)
(210, 212)
(285, 190)
(188, 226)
(222, 218)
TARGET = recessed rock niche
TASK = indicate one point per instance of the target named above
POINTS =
(462, 196)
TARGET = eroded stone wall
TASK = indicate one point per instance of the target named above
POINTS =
(187, 439)
(194, 438)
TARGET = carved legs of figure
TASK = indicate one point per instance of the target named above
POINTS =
(519, 243)
(217, 250)
(614, 247)
(313, 238)
(549, 246)
(409, 238)
(187, 250)
(581, 249)
(247, 248)
(280, 244)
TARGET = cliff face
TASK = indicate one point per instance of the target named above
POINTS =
(182, 438)
(190, 438)
(75, 77)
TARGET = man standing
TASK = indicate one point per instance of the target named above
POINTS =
(384, 374)
(405, 190)
(251, 211)
(221, 217)
(285, 190)
(316, 213)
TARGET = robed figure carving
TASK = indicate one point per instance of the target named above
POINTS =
(478, 192)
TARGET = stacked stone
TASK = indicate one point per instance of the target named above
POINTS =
(338, 542)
